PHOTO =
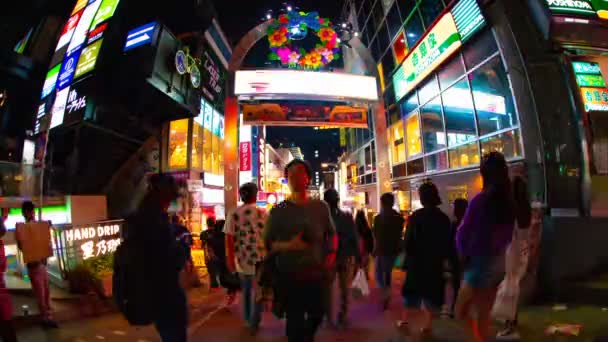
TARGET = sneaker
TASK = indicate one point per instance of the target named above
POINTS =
(508, 334)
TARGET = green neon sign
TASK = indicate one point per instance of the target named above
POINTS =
(583, 7)
(586, 68)
(591, 81)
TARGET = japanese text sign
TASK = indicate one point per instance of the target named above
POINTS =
(245, 155)
(439, 44)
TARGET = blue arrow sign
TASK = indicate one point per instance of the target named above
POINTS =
(140, 36)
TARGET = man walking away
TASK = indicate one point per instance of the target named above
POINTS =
(388, 233)
(245, 250)
(39, 276)
(348, 258)
(148, 264)
(301, 234)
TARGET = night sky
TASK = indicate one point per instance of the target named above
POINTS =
(237, 17)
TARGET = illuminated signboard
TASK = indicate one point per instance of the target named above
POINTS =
(50, 81)
(571, 6)
(586, 68)
(80, 5)
(106, 11)
(81, 31)
(304, 84)
(288, 114)
(439, 44)
(140, 36)
(94, 240)
(68, 68)
(88, 58)
(580, 7)
(591, 81)
(39, 116)
(208, 117)
(595, 98)
(97, 33)
(68, 31)
(468, 18)
(58, 110)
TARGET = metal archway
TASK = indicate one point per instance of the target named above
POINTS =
(231, 118)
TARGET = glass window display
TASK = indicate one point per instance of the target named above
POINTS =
(178, 144)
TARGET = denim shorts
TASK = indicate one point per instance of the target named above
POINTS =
(484, 272)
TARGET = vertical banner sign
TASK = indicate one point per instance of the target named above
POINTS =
(468, 18)
(245, 156)
(342, 137)
(262, 163)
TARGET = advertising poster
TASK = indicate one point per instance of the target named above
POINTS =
(68, 68)
(88, 58)
(68, 31)
(208, 118)
(82, 29)
(106, 11)
(50, 81)
(289, 114)
(58, 110)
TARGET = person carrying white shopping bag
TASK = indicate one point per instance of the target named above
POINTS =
(516, 264)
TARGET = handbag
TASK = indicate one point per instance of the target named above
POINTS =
(360, 283)
(6, 305)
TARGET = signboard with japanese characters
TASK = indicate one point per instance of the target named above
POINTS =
(580, 7)
(592, 85)
(93, 240)
(439, 44)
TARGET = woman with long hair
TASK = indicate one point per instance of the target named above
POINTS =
(481, 240)
(428, 247)
(516, 257)
(367, 240)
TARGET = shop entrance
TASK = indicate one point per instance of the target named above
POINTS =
(266, 95)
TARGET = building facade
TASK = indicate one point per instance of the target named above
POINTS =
(526, 78)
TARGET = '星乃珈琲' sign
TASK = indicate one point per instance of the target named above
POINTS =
(580, 7)
(440, 42)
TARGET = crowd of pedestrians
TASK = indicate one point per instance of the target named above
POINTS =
(293, 256)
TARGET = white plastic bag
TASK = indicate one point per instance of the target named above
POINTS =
(507, 297)
(360, 283)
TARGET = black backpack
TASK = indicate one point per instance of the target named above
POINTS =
(133, 284)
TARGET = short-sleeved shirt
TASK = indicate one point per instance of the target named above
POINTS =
(246, 225)
(388, 232)
(313, 220)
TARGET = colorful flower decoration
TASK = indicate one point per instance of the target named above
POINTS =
(289, 28)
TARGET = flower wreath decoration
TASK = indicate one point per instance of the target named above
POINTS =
(294, 26)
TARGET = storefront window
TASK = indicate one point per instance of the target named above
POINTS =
(197, 145)
(507, 143)
(397, 143)
(463, 156)
(483, 46)
(215, 157)
(399, 48)
(436, 162)
(178, 144)
(406, 7)
(207, 151)
(429, 90)
(450, 73)
(410, 104)
(492, 96)
(393, 20)
(412, 129)
(459, 114)
(388, 65)
(433, 135)
(414, 29)
(415, 167)
(430, 10)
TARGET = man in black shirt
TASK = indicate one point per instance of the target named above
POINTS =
(388, 235)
